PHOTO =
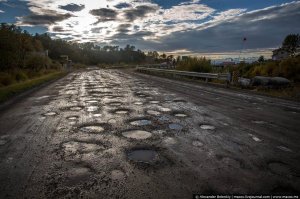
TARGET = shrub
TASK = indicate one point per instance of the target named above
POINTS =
(6, 79)
(195, 64)
(20, 76)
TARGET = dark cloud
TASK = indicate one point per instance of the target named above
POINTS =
(47, 17)
(104, 14)
(123, 28)
(96, 30)
(58, 29)
(139, 12)
(122, 5)
(263, 29)
(72, 7)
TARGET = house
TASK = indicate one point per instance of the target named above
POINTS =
(280, 54)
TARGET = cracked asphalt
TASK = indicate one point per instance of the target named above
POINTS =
(121, 134)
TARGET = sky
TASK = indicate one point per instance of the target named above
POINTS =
(212, 28)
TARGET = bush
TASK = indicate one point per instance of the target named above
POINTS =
(6, 79)
(20, 76)
(195, 64)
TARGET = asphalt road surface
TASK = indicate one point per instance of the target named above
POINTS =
(119, 134)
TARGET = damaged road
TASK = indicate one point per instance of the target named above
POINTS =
(119, 134)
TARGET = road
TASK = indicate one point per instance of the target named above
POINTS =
(121, 134)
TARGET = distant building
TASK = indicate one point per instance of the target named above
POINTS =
(228, 63)
(280, 54)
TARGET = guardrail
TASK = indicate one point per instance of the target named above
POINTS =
(206, 76)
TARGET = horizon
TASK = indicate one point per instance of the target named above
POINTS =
(210, 28)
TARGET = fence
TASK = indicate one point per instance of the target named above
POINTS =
(206, 76)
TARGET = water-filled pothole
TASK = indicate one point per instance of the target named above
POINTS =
(92, 108)
(91, 101)
(207, 127)
(138, 103)
(179, 100)
(75, 108)
(92, 129)
(280, 168)
(154, 102)
(122, 111)
(50, 113)
(163, 109)
(117, 175)
(142, 122)
(114, 103)
(180, 115)
(72, 118)
(175, 126)
(152, 112)
(147, 156)
(137, 134)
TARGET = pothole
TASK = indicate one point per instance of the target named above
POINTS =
(152, 112)
(258, 122)
(169, 141)
(92, 129)
(154, 102)
(164, 118)
(50, 113)
(97, 115)
(91, 101)
(179, 100)
(117, 175)
(42, 97)
(142, 122)
(121, 111)
(175, 126)
(279, 168)
(283, 148)
(92, 108)
(3, 142)
(163, 109)
(256, 139)
(75, 108)
(197, 143)
(147, 156)
(207, 127)
(138, 103)
(72, 118)
(137, 134)
(180, 115)
(115, 104)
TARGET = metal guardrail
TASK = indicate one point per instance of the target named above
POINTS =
(206, 76)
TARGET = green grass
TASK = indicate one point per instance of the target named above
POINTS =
(11, 90)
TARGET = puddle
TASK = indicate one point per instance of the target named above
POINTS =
(115, 104)
(164, 118)
(279, 168)
(72, 118)
(180, 115)
(97, 115)
(154, 102)
(155, 113)
(92, 108)
(283, 148)
(143, 156)
(137, 134)
(138, 103)
(256, 139)
(175, 126)
(207, 127)
(117, 175)
(140, 122)
(92, 129)
(112, 121)
(50, 114)
(76, 108)
(169, 141)
(197, 143)
(42, 97)
(121, 111)
(258, 122)
(165, 109)
(92, 101)
(179, 100)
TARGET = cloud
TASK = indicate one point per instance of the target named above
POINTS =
(47, 17)
(104, 14)
(72, 7)
(139, 12)
(123, 5)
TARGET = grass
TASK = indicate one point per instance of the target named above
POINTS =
(11, 90)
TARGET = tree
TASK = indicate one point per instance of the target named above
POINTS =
(261, 59)
(291, 43)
